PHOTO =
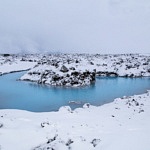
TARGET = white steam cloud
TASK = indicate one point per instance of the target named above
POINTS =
(94, 26)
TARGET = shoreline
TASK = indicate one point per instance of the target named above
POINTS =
(80, 102)
(99, 124)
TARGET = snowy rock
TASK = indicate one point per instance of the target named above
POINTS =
(1, 125)
(95, 142)
(65, 109)
(64, 69)
(87, 105)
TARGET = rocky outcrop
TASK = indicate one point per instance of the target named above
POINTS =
(75, 78)
(81, 69)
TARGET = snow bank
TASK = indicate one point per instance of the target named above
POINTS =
(123, 124)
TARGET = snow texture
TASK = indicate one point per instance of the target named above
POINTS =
(14, 63)
(123, 124)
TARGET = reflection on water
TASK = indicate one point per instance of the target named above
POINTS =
(40, 98)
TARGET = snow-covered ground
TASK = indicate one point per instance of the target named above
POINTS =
(121, 125)
(14, 63)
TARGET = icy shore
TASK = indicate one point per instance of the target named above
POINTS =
(123, 124)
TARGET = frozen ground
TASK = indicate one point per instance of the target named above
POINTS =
(121, 125)
(15, 63)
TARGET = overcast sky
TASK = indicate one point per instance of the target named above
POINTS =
(94, 26)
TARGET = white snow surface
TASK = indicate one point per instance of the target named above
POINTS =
(121, 125)
(14, 64)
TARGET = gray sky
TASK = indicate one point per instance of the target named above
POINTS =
(94, 26)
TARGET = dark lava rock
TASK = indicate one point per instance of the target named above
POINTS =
(75, 73)
(64, 69)
(1, 125)
(69, 142)
(95, 142)
(56, 78)
(6, 55)
(72, 68)
(91, 63)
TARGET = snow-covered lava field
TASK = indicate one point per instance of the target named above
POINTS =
(75, 69)
(121, 125)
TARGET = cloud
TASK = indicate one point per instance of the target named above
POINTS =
(106, 26)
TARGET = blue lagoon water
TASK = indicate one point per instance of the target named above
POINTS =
(39, 98)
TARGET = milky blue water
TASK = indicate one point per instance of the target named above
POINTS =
(33, 97)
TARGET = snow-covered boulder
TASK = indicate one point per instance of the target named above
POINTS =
(64, 69)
